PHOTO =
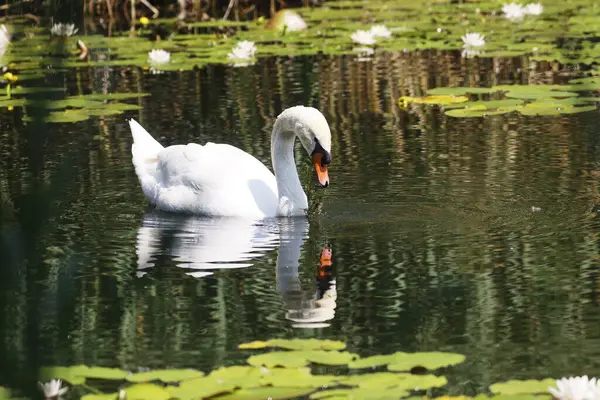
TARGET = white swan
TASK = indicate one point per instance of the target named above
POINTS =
(222, 180)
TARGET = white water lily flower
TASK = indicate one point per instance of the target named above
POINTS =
(363, 37)
(53, 388)
(159, 56)
(579, 388)
(61, 29)
(534, 9)
(244, 51)
(513, 11)
(381, 31)
(473, 39)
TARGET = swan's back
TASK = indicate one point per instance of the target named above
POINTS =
(214, 179)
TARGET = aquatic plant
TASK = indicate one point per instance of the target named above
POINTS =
(513, 11)
(53, 389)
(473, 39)
(381, 31)
(159, 56)
(534, 9)
(578, 388)
(363, 37)
(242, 52)
(63, 29)
(287, 374)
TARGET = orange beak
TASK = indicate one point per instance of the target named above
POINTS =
(321, 169)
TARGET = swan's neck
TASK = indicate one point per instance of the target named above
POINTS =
(292, 199)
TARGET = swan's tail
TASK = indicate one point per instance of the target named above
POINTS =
(145, 151)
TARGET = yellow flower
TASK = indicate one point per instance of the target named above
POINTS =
(144, 21)
(10, 108)
(10, 77)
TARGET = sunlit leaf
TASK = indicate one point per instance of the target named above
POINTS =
(146, 391)
(404, 101)
(100, 396)
(459, 91)
(104, 373)
(522, 387)
(273, 393)
(294, 359)
(238, 375)
(301, 377)
(296, 344)
(207, 386)
(165, 375)
(74, 375)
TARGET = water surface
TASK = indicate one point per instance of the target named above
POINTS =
(471, 235)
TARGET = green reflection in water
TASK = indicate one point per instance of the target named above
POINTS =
(476, 236)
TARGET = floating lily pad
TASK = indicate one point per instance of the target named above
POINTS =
(4, 393)
(239, 376)
(294, 359)
(104, 373)
(296, 344)
(76, 115)
(538, 94)
(165, 375)
(200, 388)
(427, 360)
(514, 387)
(100, 396)
(440, 99)
(301, 377)
(75, 375)
(359, 393)
(554, 109)
(18, 90)
(459, 91)
(145, 391)
(273, 393)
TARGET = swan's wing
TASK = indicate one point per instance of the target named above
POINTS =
(216, 179)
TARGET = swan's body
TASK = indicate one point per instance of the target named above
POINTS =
(222, 180)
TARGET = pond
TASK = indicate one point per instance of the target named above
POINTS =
(475, 236)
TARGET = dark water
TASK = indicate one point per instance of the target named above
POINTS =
(470, 235)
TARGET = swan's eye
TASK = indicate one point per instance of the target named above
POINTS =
(326, 159)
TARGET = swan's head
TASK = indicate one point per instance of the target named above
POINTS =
(312, 129)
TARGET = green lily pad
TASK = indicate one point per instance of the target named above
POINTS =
(550, 109)
(296, 344)
(145, 391)
(373, 361)
(273, 393)
(359, 393)
(514, 387)
(378, 379)
(538, 94)
(104, 373)
(428, 360)
(4, 393)
(295, 359)
(301, 377)
(12, 103)
(76, 115)
(199, 388)
(459, 91)
(486, 105)
(239, 376)
(165, 375)
(100, 396)
(75, 375)
(18, 90)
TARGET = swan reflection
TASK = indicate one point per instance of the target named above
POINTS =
(202, 245)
